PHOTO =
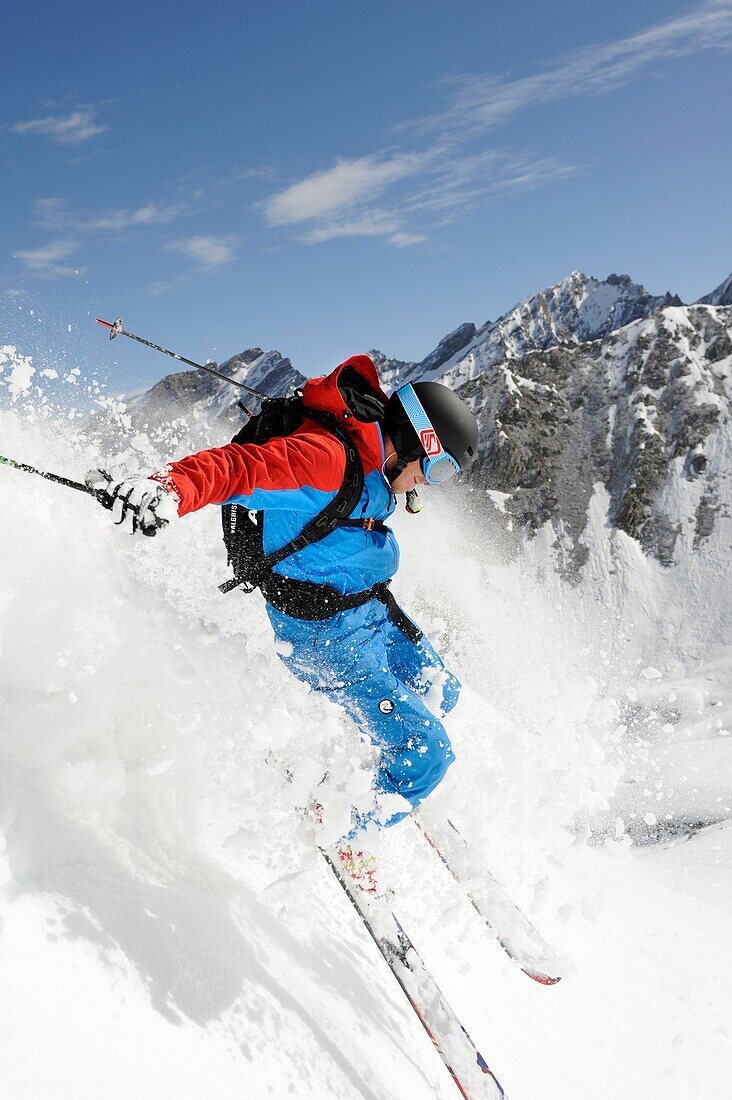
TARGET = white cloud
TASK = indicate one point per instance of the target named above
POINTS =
(372, 223)
(438, 182)
(53, 213)
(481, 102)
(150, 214)
(72, 129)
(209, 252)
(165, 286)
(336, 202)
(46, 259)
(336, 189)
(440, 185)
(460, 183)
(404, 240)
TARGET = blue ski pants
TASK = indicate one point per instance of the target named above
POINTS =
(395, 690)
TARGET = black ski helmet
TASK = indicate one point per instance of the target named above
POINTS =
(450, 416)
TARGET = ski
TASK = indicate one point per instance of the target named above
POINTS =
(468, 1069)
(514, 932)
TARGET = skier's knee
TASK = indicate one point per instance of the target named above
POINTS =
(425, 766)
(441, 757)
(439, 688)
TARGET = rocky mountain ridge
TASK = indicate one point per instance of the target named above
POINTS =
(578, 309)
(721, 296)
(190, 392)
(636, 412)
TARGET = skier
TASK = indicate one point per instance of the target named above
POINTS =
(327, 598)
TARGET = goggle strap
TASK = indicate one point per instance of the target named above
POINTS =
(421, 422)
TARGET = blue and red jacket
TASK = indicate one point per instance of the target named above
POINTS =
(292, 478)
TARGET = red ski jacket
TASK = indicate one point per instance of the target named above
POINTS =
(292, 478)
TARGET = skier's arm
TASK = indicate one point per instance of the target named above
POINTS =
(298, 472)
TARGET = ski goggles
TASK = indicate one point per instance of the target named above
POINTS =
(437, 465)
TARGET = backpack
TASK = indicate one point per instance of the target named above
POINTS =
(243, 529)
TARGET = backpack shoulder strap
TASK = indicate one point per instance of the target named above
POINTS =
(340, 507)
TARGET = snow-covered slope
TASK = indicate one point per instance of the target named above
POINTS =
(167, 927)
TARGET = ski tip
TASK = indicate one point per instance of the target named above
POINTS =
(542, 979)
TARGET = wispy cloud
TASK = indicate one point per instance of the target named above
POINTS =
(341, 202)
(397, 194)
(209, 252)
(335, 189)
(372, 223)
(47, 260)
(54, 213)
(482, 102)
(151, 214)
(458, 184)
(404, 240)
(167, 286)
(71, 129)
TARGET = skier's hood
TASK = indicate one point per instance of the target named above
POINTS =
(353, 394)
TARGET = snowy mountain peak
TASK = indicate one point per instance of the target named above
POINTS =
(573, 311)
(269, 371)
(389, 369)
(581, 308)
(588, 382)
(191, 400)
(394, 372)
(448, 347)
(722, 296)
(244, 358)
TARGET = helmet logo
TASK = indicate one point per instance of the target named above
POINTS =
(430, 442)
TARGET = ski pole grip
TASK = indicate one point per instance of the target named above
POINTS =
(97, 482)
(105, 499)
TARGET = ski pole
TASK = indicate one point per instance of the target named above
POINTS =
(115, 329)
(100, 494)
(413, 503)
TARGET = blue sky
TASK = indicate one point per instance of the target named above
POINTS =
(329, 177)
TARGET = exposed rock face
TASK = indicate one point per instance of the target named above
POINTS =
(634, 411)
(395, 372)
(722, 296)
(447, 348)
(593, 381)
